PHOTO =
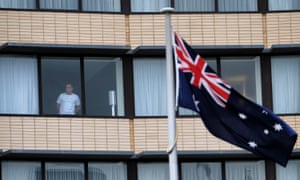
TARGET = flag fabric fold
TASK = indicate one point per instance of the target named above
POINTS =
(227, 114)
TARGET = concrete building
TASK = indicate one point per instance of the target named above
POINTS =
(112, 52)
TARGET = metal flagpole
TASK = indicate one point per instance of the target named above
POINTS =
(172, 150)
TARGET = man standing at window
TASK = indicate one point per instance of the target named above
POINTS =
(68, 103)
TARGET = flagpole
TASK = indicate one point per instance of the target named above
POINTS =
(172, 150)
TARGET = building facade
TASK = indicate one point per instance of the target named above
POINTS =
(112, 52)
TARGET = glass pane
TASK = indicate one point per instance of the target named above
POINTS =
(237, 5)
(245, 170)
(107, 171)
(58, 73)
(18, 4)
(59, 4)
(286, 84)
(290, 172)
(153, 171)
(194, 5)
(18, 85)
(64, 171)
(212, 62)
(284, 5)
(150, 89)
(104, 86)
(148, 5)
(15, 170)
(101, 5)
(243, 74)
(201, 171)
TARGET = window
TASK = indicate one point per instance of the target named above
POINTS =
(275, 5)
(107, 171)
(243, 74)
(101, 5)
(286, 84)
(21, 170)
(57, 72)
(237, 5)
(18, 85)
(153, 171)
(18, 4)
(64, 171)
(148, 5)
(195, 5)
(245, 170)
(59, 4)
(150, 87)
(291, 171)
(203, 171)
(103, 86)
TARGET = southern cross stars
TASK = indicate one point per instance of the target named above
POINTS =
(277, 127)
(252, 144)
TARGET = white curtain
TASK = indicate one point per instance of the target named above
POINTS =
(194, 5)
(290, 172)
(24, 4)
(101, 5)
(107, 171)
(245, 170)
(14, 170)
(59, 4)
(64, 171)
(284, 5)
(153, 171)
(148, 5)
(237, 5)
(201, 171)
(19, 86)
(286, 84)
(150, 89)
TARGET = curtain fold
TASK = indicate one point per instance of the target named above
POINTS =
(195, 5)
(19, 85)
(284, 5)
(286, 84)
(153, 171)
(237, 5)
(21, 170)
(292, 171)
(150, 87)
(59, 4)
(107, 171)
(102, 5)
(148, 5)
(64, 171)
(24, 4)
(245, 170)
(201, 171)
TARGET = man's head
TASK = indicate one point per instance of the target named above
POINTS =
(69, 89)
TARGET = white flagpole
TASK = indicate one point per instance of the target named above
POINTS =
(172, 150)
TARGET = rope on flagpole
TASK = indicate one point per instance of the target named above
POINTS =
(170, 149)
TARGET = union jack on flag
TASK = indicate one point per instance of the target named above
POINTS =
(202, 75)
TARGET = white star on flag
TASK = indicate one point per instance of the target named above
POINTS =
(266, 132)
(277, 127)
(252, 144)
(242, 116)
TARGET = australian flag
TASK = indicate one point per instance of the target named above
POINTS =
(226, 113)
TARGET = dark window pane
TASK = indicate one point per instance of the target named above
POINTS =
(243, 74)
(278, 5)
(148, 5)
(245, 170)
(57, 72)
(195, 5)
(201, 170)
(237, 5)
(103, 86)
(107, 171)
(21, 170)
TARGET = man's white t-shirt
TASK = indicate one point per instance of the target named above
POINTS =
(67, 103)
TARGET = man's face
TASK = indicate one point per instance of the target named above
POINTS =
(69, 89)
